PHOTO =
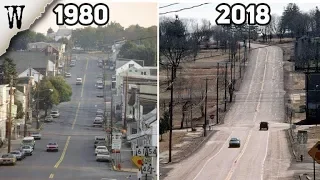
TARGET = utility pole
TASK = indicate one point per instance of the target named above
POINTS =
(217, 102)
(125, 105)
(239, 59)
(225, 87)
(10, 114)
(205, 111)
(38, 92)
(249, 37)
(171, 113)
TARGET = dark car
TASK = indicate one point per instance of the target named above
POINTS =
(264, 125)
(234, 142)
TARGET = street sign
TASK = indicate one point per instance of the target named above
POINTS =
(147, 160)
(152, 151)
(116, 141)
(137, 160)
(141, 151)
(146, 169)
(146, 151)
(314, 152)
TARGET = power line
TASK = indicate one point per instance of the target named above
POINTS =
(168, 5)
(184, 9)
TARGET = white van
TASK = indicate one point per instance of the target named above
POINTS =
(29, 141)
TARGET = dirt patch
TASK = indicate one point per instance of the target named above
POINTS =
(177, 138)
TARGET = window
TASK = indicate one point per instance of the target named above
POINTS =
(134, 131)
(130, 70)
(131, 65)
(141, 73)
(145, 73)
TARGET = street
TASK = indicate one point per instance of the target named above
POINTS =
(262, 154)
(73, 133)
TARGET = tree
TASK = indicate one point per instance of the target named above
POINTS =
(20, 111)
(49, 31)
(164, 124)
(9, 69)
(175, 46)
(64, 90)
(67, 42)
(48, 95)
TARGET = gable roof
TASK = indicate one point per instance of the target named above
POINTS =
(26, 59)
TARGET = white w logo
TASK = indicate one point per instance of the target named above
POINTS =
(17, 12)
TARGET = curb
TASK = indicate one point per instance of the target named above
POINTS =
(120, 170)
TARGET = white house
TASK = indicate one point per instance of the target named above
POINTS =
(3, 110)
(63, 32)
(35, 74)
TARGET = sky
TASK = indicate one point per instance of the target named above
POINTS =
(208, 11)
(126, 13)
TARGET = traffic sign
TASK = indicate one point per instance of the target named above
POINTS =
(146, 169)
(140, 151)
(314, 152)
(151, 151)
(137, 160)
(147, 160)
(116, 141)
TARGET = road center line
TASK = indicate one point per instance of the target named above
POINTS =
(63, 153)
(84, 79)
(51, 176)
(205, 164)
(75, 119)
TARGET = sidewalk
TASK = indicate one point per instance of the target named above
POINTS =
(126, 163)
(15, 144)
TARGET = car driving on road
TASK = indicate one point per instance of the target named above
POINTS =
(36, 135)
(234, 142)
(78, 81)
(52, 146)
(264, 125)
(67, 75)
(98, 121)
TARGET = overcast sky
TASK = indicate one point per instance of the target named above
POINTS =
(126, 13)
(208, 11)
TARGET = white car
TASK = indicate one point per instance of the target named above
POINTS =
(100, 111)
(8, 159)
(55, 113)
(100, 149)
(28, 150)
(79, 81)
(52, 146)
(103, 156)
(48, 119)
(36, 136)
(98, 121)
(99, 85)
(68, 75)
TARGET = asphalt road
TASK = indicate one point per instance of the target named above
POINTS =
(74, 134)
(263, 154)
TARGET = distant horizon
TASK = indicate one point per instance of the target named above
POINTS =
(68, 27)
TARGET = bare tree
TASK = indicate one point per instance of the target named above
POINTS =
(175, 46)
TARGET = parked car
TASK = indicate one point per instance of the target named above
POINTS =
(78, 81)
(18, 154)
(264, 125)
(55, 113)
(99, 112)
(103, 156)
(28, 150)
(72, 63)
(28, 141)
(48, 119)
(67, 75)
(234, 142)
(8, 159)
(22, 151)
(98, 121)
(101, 149)
(36, 135)
(52, 146)
(99, 85)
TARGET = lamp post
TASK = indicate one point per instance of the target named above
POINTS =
(38, 93)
